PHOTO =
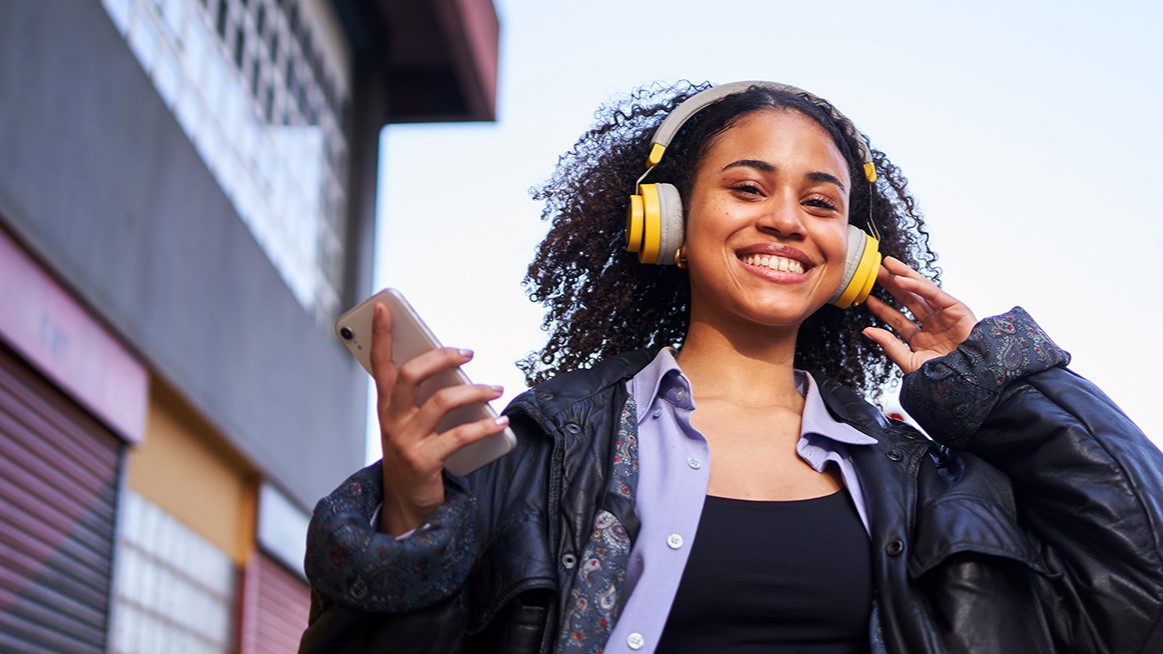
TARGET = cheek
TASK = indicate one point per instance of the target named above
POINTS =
(701, 221)
(835, 244)
(839, 239)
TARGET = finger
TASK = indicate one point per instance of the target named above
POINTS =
(415, 449)
(901, 287)
(470, 432)
(417, 370)
(914, 282)
(927, 293)
(897, 351)
(902, 269)
(899, 322)
(449, 399)
(383, 370)
(410, 437)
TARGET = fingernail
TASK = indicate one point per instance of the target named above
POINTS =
(497, 389)
(464, 353)
(502, 421)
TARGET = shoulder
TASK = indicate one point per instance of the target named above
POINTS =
(846, 405)
(572, 390)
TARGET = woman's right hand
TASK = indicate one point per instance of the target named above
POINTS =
(414, 452)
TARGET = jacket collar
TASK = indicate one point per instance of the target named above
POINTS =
(545, 400)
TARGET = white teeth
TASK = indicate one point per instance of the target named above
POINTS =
(774, 263)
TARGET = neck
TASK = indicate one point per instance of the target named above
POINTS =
(753, 369)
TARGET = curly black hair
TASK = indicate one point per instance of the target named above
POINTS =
(600, 300)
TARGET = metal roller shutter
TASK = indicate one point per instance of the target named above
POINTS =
(275, 609)
(58, 491)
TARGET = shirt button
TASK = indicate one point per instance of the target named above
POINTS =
(635, 641)
(657, 411)
(694, 463)
(679, 394)
(674, 541)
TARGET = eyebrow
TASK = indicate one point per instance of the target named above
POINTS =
(826, 178)
(757, 164)
(766, 167)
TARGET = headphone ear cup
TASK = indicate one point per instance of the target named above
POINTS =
(670, 227)
(860, 268)
(635, 217)
(654, 223)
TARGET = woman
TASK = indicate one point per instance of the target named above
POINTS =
(786, 513)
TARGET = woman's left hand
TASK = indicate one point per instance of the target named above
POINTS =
(940, 322)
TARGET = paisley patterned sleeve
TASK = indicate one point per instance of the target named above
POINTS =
(951, 396)
(359, 567)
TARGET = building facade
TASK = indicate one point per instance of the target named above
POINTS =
(187, 201)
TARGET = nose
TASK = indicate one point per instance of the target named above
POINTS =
(781, 215)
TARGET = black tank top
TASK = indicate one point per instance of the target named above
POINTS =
(792, 577)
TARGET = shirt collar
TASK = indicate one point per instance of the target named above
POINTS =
(663, 380)
(660, 380)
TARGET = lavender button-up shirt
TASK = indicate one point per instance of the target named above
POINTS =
(674, 468)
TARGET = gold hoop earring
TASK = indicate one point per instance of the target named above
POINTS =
(680, 259)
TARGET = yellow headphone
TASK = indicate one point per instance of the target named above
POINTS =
(654, 221)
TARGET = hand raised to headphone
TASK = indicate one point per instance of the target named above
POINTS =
(939, 323)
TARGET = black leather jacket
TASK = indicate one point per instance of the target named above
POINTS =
(1040, 532)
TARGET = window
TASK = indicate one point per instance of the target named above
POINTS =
(223, 14)
(250, 82)
(239, 46)
(174, 591)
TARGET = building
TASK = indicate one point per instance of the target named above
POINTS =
(187, 201)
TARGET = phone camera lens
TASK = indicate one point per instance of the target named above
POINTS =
(346, 333)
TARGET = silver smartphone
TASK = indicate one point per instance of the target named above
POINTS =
(410, 338)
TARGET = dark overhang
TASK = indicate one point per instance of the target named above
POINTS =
(439, 56)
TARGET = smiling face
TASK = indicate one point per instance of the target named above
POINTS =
(767, 220)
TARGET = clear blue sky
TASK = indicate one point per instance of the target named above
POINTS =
(1029, 132)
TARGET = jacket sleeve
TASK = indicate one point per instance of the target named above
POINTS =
(355, 565)
(1087, 482)
(467, 574)
(373, 592)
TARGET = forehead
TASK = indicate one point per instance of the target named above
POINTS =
(783, 134)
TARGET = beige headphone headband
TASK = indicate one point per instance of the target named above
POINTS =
(697, 102)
